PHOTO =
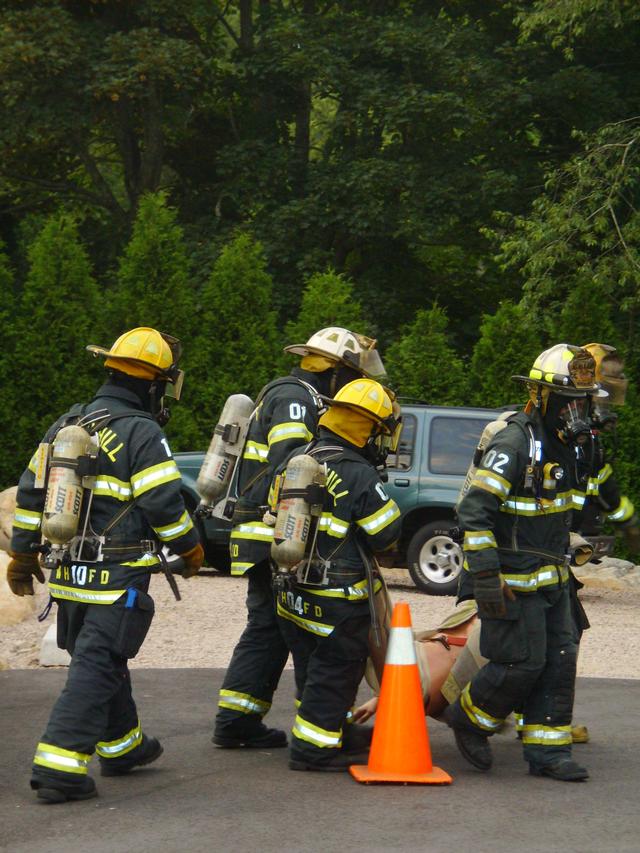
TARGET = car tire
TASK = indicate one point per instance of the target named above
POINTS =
(434, 559)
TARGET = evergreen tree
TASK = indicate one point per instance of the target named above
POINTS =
(508, 344)
(238, 344)
(423, 365)
(56, 319)
(154, 289)
(8, 373)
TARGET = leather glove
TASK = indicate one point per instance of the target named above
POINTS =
(193, 561)
(20, 573)
(489, 591)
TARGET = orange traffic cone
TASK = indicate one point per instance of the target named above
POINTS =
(400, 750)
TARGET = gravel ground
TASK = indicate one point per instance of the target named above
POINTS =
(202, 629)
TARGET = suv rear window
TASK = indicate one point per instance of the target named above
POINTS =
(403, 458)
(452, 443)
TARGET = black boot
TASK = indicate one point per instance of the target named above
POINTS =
(356, 738)
(474, 747)
(53, 791)
(261, 737)
(564, 770)
(339, 762)
(145, 753)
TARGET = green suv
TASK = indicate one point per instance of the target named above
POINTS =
(424, 478)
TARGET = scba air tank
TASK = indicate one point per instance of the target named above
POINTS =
(63, 501)
(296, 505)
(226, 445)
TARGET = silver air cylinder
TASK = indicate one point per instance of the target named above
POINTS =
(293, 521)
(226, 445)
(63, 501)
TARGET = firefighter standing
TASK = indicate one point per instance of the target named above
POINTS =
(286, 416)
(324, 609)
(104, 610)
(517, 516)
(616, 506)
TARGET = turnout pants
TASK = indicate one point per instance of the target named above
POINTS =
(96, 710)
(256, 664)
(532, 655)
(328, 671)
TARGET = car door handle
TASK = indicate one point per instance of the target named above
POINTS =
(401, 482)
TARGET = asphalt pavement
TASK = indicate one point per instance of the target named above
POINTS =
(201, 798)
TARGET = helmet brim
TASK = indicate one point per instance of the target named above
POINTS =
(564, 391)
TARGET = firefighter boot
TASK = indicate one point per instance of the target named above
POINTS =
(356, 738)
(53, 791)
(261, 737)
(145, 753)
(339, 762)
(472, 744)
(564, 770)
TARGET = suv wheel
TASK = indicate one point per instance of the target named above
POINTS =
(434, 559)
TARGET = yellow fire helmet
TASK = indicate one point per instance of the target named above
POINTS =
(146, 354)
(609, 372)
(564, 369)
(335, 344)
(362, 410)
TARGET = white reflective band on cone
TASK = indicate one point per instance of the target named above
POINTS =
(401, 651)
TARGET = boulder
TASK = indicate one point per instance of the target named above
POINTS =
(7, 509)
(13, 608)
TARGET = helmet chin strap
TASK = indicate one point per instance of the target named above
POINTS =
(160, 412)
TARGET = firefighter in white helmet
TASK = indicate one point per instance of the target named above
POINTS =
(323, 605)
(100, 577)
(285, 417)
(517, 516)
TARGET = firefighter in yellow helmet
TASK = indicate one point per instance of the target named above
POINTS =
(100, 563)
(323, 608)
(517, 516)
(285, 417)
(610, 501)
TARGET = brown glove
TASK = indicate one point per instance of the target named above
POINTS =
(490, 591)
(193, 561)
(20, 573)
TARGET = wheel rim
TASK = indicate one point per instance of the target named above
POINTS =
(440, 560)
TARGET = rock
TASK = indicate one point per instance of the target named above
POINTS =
(50, 654)
(13, 608)
(610, 573)
(7, 509)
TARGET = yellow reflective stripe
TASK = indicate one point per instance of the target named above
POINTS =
(32, 463)
(145, 560)
(623, 511)
(124, 744)
(26, 519)
(333, 526)
(304, 730)
(530, 506)
(256, 530)
(491, 482)
(376, 522)
(112, 487)
(242, 702)
(478, 540)
(308, 624)
(86, 596)
(605, 472)
(593, 486)
(157, 475)
(546, 735)
(544, 576)
(60, 759)
(477, 716)
(178, 528)
(286, 431)
(519, 721)
(240, 568)
(255, 451)
(356, 592)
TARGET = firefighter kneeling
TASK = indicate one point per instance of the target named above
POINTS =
(323, 600)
